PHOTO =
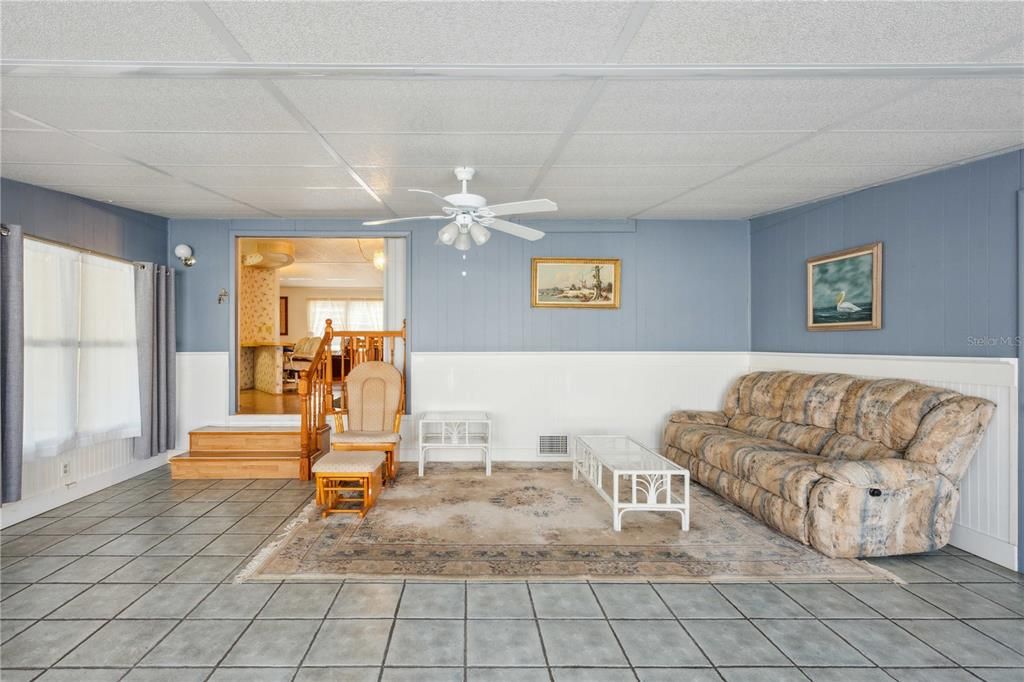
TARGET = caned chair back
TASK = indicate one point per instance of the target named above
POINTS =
(374, 396)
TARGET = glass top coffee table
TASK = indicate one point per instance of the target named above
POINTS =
(652, 483)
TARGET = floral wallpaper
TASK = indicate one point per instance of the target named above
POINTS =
(246, 369)
(269, 369)
(257, 305)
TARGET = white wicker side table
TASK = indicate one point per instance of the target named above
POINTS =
(455, 431)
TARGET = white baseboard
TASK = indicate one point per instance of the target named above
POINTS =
(16, 512)
(987, 547)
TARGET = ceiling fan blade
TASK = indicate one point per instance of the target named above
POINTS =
(521, 231)
(434, 196)
(402, 220)
(531, 206)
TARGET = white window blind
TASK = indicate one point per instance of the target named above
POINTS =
(81, 350)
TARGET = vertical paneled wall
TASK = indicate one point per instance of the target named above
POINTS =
(84, 223)
(685, 286)
(950, 264)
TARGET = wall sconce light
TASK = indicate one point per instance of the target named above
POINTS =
(222, 296)
(184, 254)
(379, 260)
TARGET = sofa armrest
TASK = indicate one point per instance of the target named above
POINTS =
(884, 474)
(699, 417)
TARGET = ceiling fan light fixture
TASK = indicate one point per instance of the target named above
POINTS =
(479, 233)
(463, 242)
(448, 233)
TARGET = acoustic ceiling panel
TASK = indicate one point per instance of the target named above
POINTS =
(768, 175)
(264, 176)
(955, 104)
(631, 176)
(143, 31)
(216, 149)
(51, 147)
(84, 174)
(441, 179)
(735, 104)
(595, 149)
(179, 194)
(822, 32)
(435, 105)
(148, 104)
(305, 199)
(425, 32)
(481, 150)
(927, 148)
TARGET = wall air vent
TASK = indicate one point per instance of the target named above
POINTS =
(553, 446)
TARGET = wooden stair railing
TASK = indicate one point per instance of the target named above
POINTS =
(360, 346)
(316, 401)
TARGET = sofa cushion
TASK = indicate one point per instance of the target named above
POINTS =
(688, 436)
(699, 417)
(950, 434)
(776, 467)
(888, 411)
(887, 474)
(809, 439)
(814, 399)
(845, 446)
(764, 393)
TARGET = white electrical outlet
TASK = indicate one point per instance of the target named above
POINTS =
(65, 469)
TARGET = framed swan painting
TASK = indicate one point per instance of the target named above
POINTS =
(844, 289)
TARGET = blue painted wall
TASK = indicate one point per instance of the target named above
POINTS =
(685, 286)
(950, 264)
(84, 223)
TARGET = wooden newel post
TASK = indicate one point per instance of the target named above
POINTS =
(328, 374)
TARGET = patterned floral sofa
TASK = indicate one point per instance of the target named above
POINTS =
(853, 467)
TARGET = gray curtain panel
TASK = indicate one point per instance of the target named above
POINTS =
(12, 355)
(154, 315)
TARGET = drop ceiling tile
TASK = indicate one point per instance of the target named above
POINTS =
(202, 149)
(822, 32)
(441, 179)
(671, 148)
(265, 176)
(895, 148)
(305, 199)
(767, 175)
(155, 104)
(733, 192)
(479, 151)
(637, 194)
(52, 147)
(696, 211)
(219, 210)
(183, 194)
(349, 214)
(11, 122)
(734, 104)
(960, 104)
(107, 176)
(618, 176)
(435, 105)
(425, 32)
(409, 203)
(142, 31)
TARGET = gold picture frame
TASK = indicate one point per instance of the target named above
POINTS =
(574, 283)
(844, 289)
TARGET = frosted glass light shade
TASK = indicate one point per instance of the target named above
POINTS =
(463, 242)
(479, 233)
(448, 233)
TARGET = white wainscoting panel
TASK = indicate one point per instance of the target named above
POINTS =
(533, 394)
(986, 523)
(203, 391)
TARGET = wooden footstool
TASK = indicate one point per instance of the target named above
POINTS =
(359, 473)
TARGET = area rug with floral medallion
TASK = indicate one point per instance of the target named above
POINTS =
(532, 521)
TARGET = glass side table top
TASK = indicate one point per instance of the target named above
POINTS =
(624, 453)
(454, 416)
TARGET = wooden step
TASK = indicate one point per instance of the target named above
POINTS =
(237, 464)
(273, 439)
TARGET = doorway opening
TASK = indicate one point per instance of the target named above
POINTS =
(288, 287)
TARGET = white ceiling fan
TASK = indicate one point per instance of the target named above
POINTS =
(471, 216)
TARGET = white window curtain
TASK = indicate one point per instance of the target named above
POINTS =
(344, 314)
(81, 350)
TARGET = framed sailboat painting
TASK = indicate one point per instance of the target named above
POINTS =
(844, 289)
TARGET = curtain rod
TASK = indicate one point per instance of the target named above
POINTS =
(54, 242)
